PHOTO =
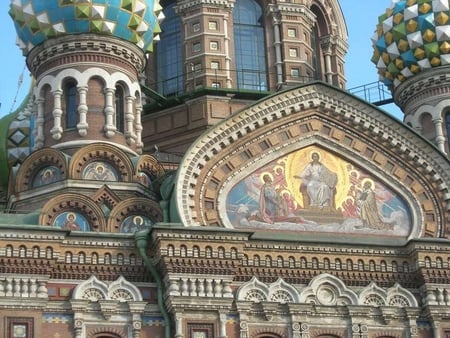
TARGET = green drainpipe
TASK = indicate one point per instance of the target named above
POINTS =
(141, 238)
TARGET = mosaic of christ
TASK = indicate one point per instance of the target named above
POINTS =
(314, 190)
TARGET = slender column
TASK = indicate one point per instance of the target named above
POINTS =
(277, 44)
(222, 325)
(57, 130)
(326, 47)
(328, 72)
(129, 118)
(227, 53)
(440, 139)
(179, 325)
(39, 136)
(110, 128)
(138, 128)
(82, 126)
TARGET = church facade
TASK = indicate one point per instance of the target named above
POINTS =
(229, 192)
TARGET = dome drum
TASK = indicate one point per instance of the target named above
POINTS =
(86, 49)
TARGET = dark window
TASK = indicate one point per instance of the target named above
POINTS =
(119, 108)
(70, 94)
(447, 122)
(316, 57)
(249, 45)
(168, 53)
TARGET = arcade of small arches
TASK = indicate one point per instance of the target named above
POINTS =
(302, 262)
(46, 170)
(73, 98)
(70, 257)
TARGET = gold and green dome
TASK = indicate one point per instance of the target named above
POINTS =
(412, 36)
(39, 20)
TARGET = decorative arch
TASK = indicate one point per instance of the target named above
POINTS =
(75, 203)
(372, 295)
(148, 170)
(329, 290)
(101, 152)
(322, 116)
(137, 206)
(38, 160)
(278, 292)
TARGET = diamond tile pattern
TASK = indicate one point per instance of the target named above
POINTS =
(132, 20)
(411, 36)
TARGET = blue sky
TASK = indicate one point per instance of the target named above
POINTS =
(361, 17)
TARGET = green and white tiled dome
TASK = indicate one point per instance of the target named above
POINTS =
(39, 20)
(411, 37)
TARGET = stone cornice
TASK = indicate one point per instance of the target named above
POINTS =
(184, 5)
(87, 48)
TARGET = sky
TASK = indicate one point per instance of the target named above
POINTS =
(358, 67)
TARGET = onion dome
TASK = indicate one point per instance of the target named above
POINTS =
(37, 21)
(17, 140)
(411, 37)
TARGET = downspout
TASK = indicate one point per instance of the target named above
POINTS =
(141, 238)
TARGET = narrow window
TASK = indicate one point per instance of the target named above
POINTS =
(119, 108)
(169, 53)
(70, 95)
(249, 45)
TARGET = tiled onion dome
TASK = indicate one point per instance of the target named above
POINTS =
(39, 20)
(411, 37)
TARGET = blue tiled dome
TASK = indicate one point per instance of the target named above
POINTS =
(39, 20)
(411, 37)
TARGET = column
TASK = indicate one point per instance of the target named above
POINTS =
(326, 47)
(222, 325)
(138, 128)
(110, 128)
(179, 325)
(227, 53)
(440, 139)
(129, 118)
(39, 134)
(57, 130)
(277, 44)
(82, 109)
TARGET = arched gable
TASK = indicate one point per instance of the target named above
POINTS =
(36, 164)
(106, 153)
(315, 117)
(147, 211)
(73, 211)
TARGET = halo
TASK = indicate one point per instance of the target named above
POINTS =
(372, 183)
(136, 218)
(284, 191)
(71, 214)
(261, 176)
(47, 171)
(278, 167)
(312, 152)
(100, 165)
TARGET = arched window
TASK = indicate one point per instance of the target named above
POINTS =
(168, 53)
(447, 124)
(119, 100)
(316, 57)
(195, 251)
(221, 252)
(70, 98)
(249, 45)
(82, 258)
(120, 259)
(94, 258)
